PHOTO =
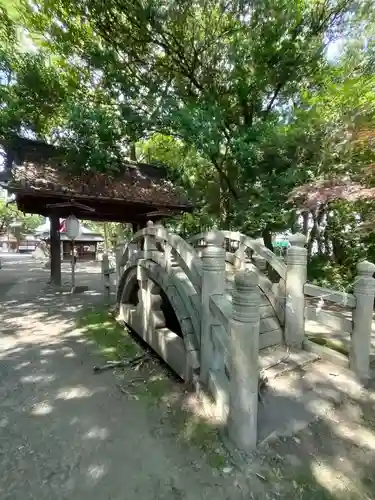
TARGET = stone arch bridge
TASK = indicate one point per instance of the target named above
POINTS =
(211, 306)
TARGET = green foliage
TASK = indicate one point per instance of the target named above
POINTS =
(187, 168)
(9, 214)
(237, 99)
(322, 271)
(113, 232)
(213, 75)
(33, 87)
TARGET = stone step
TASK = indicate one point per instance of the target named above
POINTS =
(275, 361)
(270, 338)
(295, 398)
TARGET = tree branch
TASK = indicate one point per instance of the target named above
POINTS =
(225, 178)
(274, 97)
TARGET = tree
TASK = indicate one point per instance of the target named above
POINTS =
(339, 195)
(33, 87)
(221, 77)
(189, 169)
(9, 214)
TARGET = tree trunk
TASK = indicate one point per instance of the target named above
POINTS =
(320, 238)
(55, 255)
(133, 152)
(225, 210)
(305, 229)
(267, 238)
(294, 222)
(315, 232)
(312, 236)
(327, 240)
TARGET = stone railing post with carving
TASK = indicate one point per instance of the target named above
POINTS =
(360, 345)
(213, 283)
(296, 276)
(244, 361)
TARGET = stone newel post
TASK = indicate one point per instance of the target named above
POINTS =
(213, 283)
(150, 240)
(244, 361)
(296, 276)
(360, 345)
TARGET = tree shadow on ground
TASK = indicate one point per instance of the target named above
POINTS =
(333, 458)
(71, 434)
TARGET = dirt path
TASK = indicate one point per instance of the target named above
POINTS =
(68, 434)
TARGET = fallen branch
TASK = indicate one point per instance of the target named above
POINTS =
(137, 361)
(260, 476)
(127, 393)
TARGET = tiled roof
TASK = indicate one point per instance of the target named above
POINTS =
(38, 168)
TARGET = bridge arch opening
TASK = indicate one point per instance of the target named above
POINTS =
(133, 298)
(168, 324)
(171, 320)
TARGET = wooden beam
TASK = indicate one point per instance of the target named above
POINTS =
(105, 210)
(55, 259)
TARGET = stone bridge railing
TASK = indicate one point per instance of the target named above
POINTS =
(226, 328)
(227, 332)
(358, 323)
(285, 292)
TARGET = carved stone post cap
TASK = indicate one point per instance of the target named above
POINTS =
(246, 279)
(366, 267)
(297, 240)
(214, 238)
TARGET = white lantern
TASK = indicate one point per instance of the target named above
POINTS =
(72, 227)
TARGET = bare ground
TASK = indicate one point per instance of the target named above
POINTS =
(66, 433)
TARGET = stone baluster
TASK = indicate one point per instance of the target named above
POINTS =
(296, 276)
(260, 262)
(244, 361)
(131, 249)
(150, 240)
(213, 283)
(240, 255)
(360, 345)
(143, 306)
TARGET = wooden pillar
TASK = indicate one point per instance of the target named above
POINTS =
(55, 256)
(105, 236)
